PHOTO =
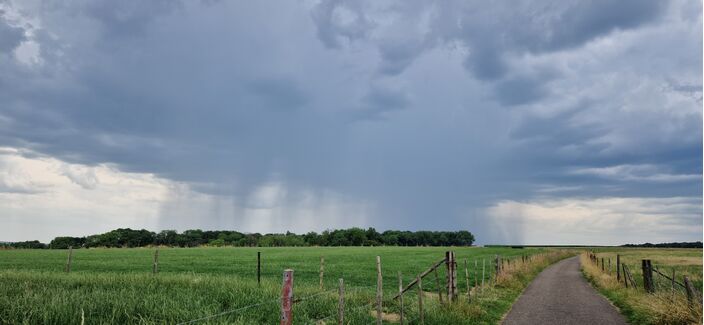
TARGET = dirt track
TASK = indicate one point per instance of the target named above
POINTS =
(560, 295)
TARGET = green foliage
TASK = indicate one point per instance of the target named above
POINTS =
(126, 237)
(66, 242)
(31, 244)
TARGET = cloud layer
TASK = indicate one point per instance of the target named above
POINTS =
(399, 114)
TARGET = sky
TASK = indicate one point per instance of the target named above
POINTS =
(524, 122)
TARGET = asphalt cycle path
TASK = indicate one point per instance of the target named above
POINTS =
(561, 295)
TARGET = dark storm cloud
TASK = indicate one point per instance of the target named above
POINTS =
(429, 112)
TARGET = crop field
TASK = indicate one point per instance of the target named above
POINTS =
(117, 285)
(669, 303)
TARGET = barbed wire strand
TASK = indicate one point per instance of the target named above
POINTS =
(229, 312)
(299, 300)
(251, 306)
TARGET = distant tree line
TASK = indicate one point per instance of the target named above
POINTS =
(126, 237)
(696, 244)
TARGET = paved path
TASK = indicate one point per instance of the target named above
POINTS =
(560, 295)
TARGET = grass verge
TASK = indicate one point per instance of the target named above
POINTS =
(640, 307)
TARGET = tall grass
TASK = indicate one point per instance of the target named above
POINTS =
(665, 306)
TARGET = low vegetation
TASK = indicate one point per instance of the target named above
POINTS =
(116, 285)
(668, 305)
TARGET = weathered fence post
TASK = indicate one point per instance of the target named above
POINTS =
(483, 267)
(602, 265)
(400, 297)
(378, 290)
(625, 278)
(673, 279)
(452, 278)
(70, 258)
(448, 276)
(689, 289)
(341, 304)
(420, 299)
(618, 268)
(647, 276)
(466, 277)
(155, 267)
(259, 267)
(322, 270)
(498, 268)
(287, 298)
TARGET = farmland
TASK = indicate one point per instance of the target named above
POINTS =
(117, 286)
(668, 304)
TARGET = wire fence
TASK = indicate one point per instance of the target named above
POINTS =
(431, 287)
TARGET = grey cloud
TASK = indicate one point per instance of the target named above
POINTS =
(127, 19)
(638, 173)
(398, 55)
(228, 97)
(379, 101)
(278, 93)
(10, 36)
(486, 63)
(518, 91)
(338, 19)
(84, 177)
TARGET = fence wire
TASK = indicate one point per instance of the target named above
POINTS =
(298, 300)
(229, 312)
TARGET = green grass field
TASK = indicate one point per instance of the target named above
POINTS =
(666, 306)
(116, 285)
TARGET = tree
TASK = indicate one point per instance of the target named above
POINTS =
(66, 242)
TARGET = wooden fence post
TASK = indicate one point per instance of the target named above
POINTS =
(673, 279)
(466, 277)
(452, 277)
(378, 290)
(400, 297)
(498, 268)
(259, 268)
(322, 270)
(647, 276)
(625, 279)
(483, 267)
(155, 267)
(602, 265)
(437, 283)
(287, 298)
(70, 258)
(341, 304)
(448, 276)
(618, 267)
(420, 299)
(689, 289)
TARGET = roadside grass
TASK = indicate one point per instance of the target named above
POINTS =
(116, 286)
(665, 306)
